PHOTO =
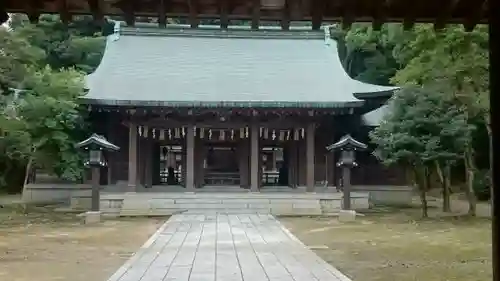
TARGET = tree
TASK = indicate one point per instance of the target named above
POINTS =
(425, 127)
(16, 54)
(367, 54)
(458, 62)
(40, 124)
(79, 45)
(45, 124)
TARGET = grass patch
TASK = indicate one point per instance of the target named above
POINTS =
(394, 244)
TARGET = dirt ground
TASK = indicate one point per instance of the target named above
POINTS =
(395, 245)
(48, 246)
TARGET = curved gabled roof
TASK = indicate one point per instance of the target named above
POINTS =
(236, 67)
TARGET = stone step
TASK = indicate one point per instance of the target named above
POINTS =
(148, 206)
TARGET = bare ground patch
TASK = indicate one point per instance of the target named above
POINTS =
(395, 245)
(47, 246)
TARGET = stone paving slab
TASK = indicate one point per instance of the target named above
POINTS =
(225, 247)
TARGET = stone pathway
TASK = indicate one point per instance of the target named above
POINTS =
(225, 247)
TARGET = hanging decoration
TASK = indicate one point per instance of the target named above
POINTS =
(210, 134)
(162, 134)
(153, 132)
(202, 133)
(242, 133)
(260, 132)
(232, 134)
(295, 135)
(266, 133)
(274, 135)
(139, 131)
(288, 135)
(302, 132)
(282, 136)
(222, 135)
(246, 132)
(194, 131)
(145, 133)
(169, 134)
(183, 132)
(177, 133)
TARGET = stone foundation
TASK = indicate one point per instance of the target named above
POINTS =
(161, 204)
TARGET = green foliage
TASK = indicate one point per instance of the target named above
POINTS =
(455, 59)
(40, 125)
(46, 122)
(16, 55)
(367, 54)
(424, 126)
(79, 45)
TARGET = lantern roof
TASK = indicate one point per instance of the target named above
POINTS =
(97, 142)
(208, 67)
(347, 142)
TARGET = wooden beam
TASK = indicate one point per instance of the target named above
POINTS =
(255, 14)
(317, 9)
(410, 18)
(64, 14)
(348, 13)
(223, 11)
(162, 13)
(3, 13)
(285, 16)
(129, 11)
(380, 13)
(193, 13)
(33, 10)
(96, 10)
(479, 10)
(446, 11)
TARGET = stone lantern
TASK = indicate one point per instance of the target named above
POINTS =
(347, 146)
(96, 145)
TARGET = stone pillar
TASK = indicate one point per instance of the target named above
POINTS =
(254, 158)
(190, 159)
(310, 157)
(132, 157)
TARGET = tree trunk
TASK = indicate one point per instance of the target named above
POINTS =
(422, 184)
(27, 173)
(469, 189)
(490, 153)
(445, 185)
(447, 189)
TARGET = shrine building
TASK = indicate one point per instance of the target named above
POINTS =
(229, 108)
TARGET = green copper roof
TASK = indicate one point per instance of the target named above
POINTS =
(223, 68)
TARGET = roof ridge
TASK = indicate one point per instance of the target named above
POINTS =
(212, 31)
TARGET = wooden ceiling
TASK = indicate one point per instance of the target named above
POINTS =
(467, 12)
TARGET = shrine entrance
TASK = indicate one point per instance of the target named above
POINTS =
(171, 165)
(221, 165)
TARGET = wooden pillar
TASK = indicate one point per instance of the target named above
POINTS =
(310, 157)
(273, 163)
(148, 165)
(200, 155)
(292, 166)
(254, 158)
(494, 32)
(190, 176)
(132, 157)
(243, 154)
